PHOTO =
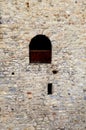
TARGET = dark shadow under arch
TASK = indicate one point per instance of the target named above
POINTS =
(40, 49)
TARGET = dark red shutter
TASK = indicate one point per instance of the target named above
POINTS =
(40, 56)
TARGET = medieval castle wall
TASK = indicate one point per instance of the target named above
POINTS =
(24, 100)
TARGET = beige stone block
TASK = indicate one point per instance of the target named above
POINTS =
(30, 128)
(2, 92)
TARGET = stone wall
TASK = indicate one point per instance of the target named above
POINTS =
(24, 102)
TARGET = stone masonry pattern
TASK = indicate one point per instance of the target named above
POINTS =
(24, 100)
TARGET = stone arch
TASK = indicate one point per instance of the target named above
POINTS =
(40, 49)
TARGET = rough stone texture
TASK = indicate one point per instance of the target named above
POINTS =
(24, 103)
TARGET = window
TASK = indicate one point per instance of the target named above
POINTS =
(50, 88)
(40, 49)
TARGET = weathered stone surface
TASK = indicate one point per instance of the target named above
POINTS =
(24, 100)
(30, 128)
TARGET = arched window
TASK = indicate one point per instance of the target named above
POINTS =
(40, 49)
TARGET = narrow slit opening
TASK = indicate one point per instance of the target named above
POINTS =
(49, 88)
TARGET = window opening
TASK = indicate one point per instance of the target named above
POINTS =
(50, 88)
(40, 49)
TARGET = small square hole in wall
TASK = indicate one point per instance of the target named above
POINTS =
(13, 73)
(49, 89)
